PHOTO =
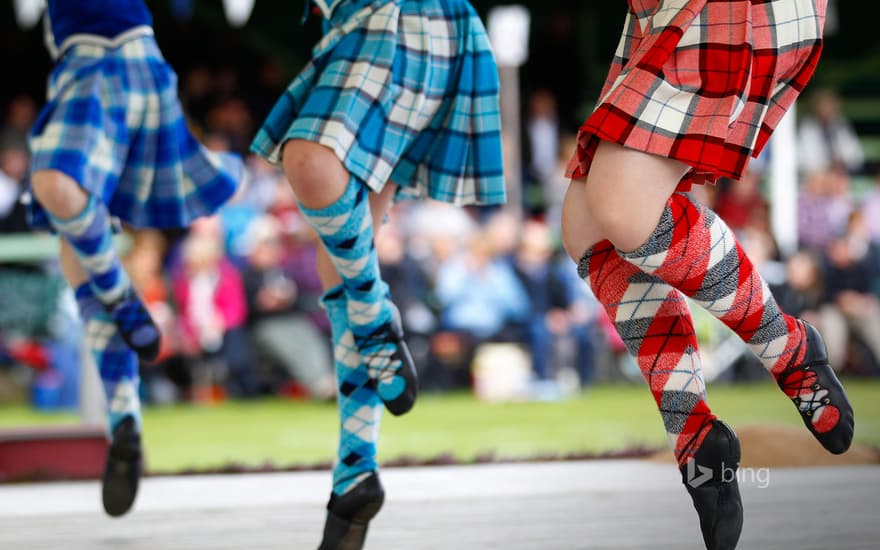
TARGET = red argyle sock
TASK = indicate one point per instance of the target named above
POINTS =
(693, 250)
(654, 322)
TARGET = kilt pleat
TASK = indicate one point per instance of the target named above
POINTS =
(113, 123)
(403, 91)
(704, 82)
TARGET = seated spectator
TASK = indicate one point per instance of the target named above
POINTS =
(823, 208)
(802, 291)
(480, 300)
(851, 304)
(281, 331)
(547, 294)
(213, 310)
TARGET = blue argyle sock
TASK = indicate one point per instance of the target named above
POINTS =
(360, 408)
(346, 229)
(90, 236)
(117, 363)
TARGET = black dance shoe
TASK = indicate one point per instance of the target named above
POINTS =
(390, 365)
(819, 396)
(349, 515)
(124, 467)
(710, 478)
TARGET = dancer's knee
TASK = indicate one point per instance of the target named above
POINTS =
(58, 193)
(315, 173)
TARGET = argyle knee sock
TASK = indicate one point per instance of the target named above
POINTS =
(693, 250)
(117, 363)
(360, 409)
(90, 236)
(346, 229)
(655, 324)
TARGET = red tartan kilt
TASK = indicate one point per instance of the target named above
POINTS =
(708, 95)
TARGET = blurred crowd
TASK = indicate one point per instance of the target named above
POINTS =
(238, 298)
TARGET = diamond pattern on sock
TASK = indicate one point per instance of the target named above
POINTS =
(90, 236)
(117, 363)
(654, 322)
(360, 408)
(694, 251)
(346, 230)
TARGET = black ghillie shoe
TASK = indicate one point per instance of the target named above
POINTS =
(390, 365)
(124, 467)
(136, 326)
(710, 478)
(819, 396)
(349, 515)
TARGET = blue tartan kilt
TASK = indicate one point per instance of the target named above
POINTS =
(113, 123)
(403, 91)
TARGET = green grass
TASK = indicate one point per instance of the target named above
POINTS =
(285, 433)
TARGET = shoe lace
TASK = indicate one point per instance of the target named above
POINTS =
(808, 394)
(379, 352)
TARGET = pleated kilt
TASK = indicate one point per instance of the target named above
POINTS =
(704, 81)
(403, 91)
(113, 123)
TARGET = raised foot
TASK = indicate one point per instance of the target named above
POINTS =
(390, 365)
(819, 395)
(136, 326)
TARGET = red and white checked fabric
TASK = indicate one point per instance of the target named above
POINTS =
(704, 81)
(693, 250)
(655, 324)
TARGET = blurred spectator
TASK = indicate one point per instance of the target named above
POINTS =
(823, 208)
(851, 304)
(541, 141)
(480, 300)
(542, 129)
(144, 263)
(871, 211)
(502, 233)
(826, 139)
(301, 244)
(410, 289)
(280, 331)
(801, 292)
(14, 160)
(739, 203)
(436, 231)
(547, 294)
(213, 310)
(263, 183)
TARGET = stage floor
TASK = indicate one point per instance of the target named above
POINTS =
(544, 506)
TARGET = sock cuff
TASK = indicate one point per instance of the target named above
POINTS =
(583, 265)
(354, 193)
(81, 222)
(660, 239)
